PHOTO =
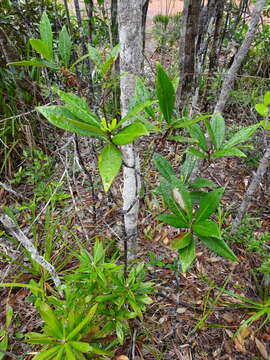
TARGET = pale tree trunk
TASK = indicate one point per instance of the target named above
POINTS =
(239, 57)
(130, 36)
(257, 177)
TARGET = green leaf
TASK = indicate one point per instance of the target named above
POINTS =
(83, 323)
(34, 62)
(218, 126)
(9, 315)
(206, 228)
(80, 346)
(172, 220)
(183, 139)
(241, 136)
(179, 124)
(47, 315)
(196, 152)
(262, 109)
(134, 112)
(181, 196)
(69, 353)
(182, 240)
(165, 94)
(219, 247)
(265, 124)
(211, 133)
(120, 332)
(129, 133)
(187, 255)
(109, 163)
(163, 166)
(64, 119)
(233, 151)
(201, 183)
(197, 133)
(166, 191)
(48, 354)
(78, 107)
(3, 344)
(266, 98)
(209, 204)
(37, 338)
(46, 35)
(188, 167)
(41, 48)
(64, 46)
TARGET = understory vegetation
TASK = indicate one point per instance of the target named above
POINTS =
(197, 283)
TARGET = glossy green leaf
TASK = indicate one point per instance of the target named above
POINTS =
(166, 191)
(197, 133)
(172, 220)
(109, 163)
(53, 324)
(266, 98)
(182, 124)
(165, 94)
(182, 240)
(83, 323)
(241, 136)
(219, 247)
(132, 113)
(218, 126)
(129, 133)
(163, 166)
(187, 255)
(196, 152)
(181, 196)
(206, 228)
(46, 35)
(202, 183)
(78, 107)
(80, 346)
(40, 47)
(34, 62)
(211, 133)
(262, 109)
(188, 167)
(37, 338)
(64, 46)
(69, 353)
(209, 204)
(64, 119)
(48, 354)
(233, 151)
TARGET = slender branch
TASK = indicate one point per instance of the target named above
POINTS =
(264, 163)
(17, 233)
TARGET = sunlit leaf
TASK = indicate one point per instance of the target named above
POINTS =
(165, 94)
(109, 163)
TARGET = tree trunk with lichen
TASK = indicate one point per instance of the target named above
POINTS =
(130, 36)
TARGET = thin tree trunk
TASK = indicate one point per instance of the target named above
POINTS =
(130, 36)
(187, 62)
(239, 57)
(264, 163)
(144, 18)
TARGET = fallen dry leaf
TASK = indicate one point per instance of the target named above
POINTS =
(262, 349)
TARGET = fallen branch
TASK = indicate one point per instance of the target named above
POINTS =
(17, 233)
(264, 163)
